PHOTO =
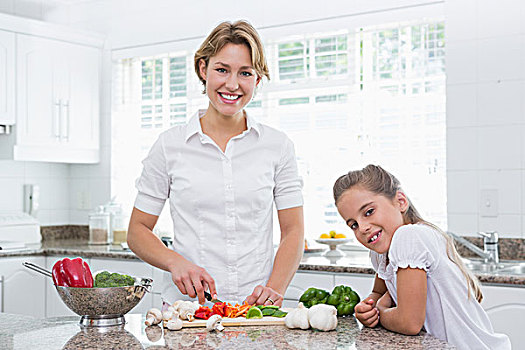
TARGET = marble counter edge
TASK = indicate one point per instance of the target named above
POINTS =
(503, 280)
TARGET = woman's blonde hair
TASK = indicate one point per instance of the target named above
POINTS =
(379, 181)
(239, 33)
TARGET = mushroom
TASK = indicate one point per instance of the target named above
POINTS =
(214, 323)
(187, 310)
(174, 324)
(154, 316)
(169, 314)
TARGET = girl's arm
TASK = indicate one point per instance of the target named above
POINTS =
(408, 316)
(366, 311)
(286, 260)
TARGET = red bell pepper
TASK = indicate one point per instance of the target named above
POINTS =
(219, 309)
(72, 273)
(203, 313)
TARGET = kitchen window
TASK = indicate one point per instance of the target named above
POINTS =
(366, 95)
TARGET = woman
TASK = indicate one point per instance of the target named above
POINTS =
(222, 172)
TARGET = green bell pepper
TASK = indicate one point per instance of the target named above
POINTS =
(314, 296)
(344, 299)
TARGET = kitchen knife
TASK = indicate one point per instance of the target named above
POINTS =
(209, 297)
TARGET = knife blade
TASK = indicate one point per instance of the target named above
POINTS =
(210, 298)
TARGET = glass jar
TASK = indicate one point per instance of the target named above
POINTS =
(119, 228)
(99, 229)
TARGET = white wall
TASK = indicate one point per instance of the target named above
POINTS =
(485, 93)
(485, 114)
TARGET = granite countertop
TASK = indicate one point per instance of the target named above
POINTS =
(356, 261)
(22, 332)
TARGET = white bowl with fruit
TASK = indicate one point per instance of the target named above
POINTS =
(333, 239)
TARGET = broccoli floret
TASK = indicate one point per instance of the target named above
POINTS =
(105, 279)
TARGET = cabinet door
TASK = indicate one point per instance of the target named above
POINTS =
(304, 280)
(506, 309)
(40, 81)
(57, 101)
(7, 77)
(81, 111)
(23, 289)
(128, 267)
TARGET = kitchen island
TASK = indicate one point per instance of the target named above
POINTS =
(22, 332)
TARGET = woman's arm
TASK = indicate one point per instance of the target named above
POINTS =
(287, 259)
(408, 316)
(189, 278)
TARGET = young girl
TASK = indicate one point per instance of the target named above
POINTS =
(420, 280)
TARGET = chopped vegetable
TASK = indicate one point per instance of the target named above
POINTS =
(254, 312)
(72, 273)
(105, 279)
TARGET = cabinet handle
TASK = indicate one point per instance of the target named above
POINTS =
(1, 293)
(57, 109)
(65, 123)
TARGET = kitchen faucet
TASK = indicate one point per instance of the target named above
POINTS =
(489, 253)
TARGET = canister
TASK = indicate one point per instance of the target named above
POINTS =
(99, 229)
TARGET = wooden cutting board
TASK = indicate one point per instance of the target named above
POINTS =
(238, 322)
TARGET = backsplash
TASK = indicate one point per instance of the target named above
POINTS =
(75, 232)
(509, 248)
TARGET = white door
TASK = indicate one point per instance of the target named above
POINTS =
(7, 77)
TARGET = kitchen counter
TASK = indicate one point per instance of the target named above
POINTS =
(355, 261)
(21, 332)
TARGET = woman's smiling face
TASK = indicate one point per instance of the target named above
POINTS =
(374, 218)
(230, 79)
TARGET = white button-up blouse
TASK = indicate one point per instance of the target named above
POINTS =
(221, 203)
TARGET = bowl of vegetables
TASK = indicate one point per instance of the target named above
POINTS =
(100, 300)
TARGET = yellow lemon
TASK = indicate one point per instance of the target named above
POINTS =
(332, 234)
(339, 235)
(325, 235)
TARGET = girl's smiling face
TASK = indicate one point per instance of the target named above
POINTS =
(374, 218)
(230, 79)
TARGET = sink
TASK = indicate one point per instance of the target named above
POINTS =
(503, 268)
(517, 269)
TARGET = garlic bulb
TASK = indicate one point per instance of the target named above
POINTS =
(323, 317)
(297, 318)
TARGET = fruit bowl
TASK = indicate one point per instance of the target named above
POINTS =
(103, 306)
(333, 243)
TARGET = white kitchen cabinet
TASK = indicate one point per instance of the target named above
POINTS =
(304, 280)
(506, 309)
(55, 307)
(7, 78)
(23, 290)
(57, 101)
(128, 267)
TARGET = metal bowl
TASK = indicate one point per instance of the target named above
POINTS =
(103, 306)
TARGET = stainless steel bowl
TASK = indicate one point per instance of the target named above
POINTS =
(103, 306)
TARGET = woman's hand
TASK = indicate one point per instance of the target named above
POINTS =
(367, 313)
(191, 279)
(385, 302)
(263, 295)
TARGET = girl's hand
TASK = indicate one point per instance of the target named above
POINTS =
(263, 295)
(385, 302)
(192, 279)
(367, 313)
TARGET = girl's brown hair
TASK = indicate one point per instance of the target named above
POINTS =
(239, 33)
(379, 181)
